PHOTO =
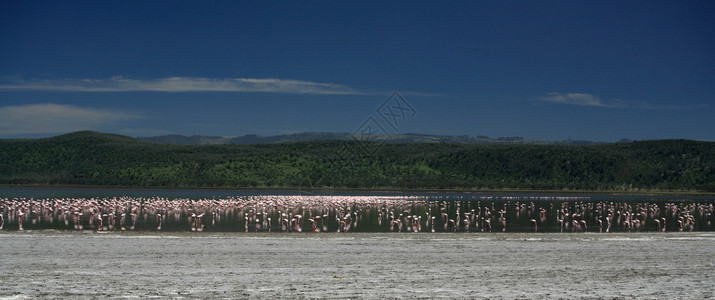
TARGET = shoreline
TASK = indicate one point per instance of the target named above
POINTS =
(373, 190)
(356, 266)
(474, 235)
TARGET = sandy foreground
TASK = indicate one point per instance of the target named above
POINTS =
(56, 264)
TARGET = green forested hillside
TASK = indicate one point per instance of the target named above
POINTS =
(90, 158)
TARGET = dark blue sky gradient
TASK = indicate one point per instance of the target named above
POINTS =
(594, 70)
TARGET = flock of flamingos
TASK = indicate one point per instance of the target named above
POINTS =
(321, 213)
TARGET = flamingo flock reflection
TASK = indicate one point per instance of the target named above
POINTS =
(331, 213)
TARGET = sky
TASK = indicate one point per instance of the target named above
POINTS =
(544, 70)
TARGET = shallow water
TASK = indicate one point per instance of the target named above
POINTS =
(69, 264)
(49, 258)
(266, 211)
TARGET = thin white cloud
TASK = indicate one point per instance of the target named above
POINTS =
(575, 99)
(584, 99)
(56, 118)
(671, 107)
(181, 84)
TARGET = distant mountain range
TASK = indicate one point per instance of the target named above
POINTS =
(253, 139)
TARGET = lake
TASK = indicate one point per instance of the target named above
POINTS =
(89, 265)
(492, 252)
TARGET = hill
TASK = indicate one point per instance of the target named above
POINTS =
(251, 139)
(187, 140)
(91, 158)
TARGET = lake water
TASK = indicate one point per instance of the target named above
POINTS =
(177, 210)
(88, 265)
(53, 258)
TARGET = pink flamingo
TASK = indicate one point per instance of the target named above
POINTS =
(657, 224)
(20, 214)
(199, 226)
(121, 221)
(99, 222)
(192, 221)
(583, 224)
(452, 225)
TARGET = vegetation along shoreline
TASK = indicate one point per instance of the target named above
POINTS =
(91, 159)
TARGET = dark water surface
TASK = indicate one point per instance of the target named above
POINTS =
(207, 210)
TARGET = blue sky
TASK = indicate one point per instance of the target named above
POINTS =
(550, 70)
